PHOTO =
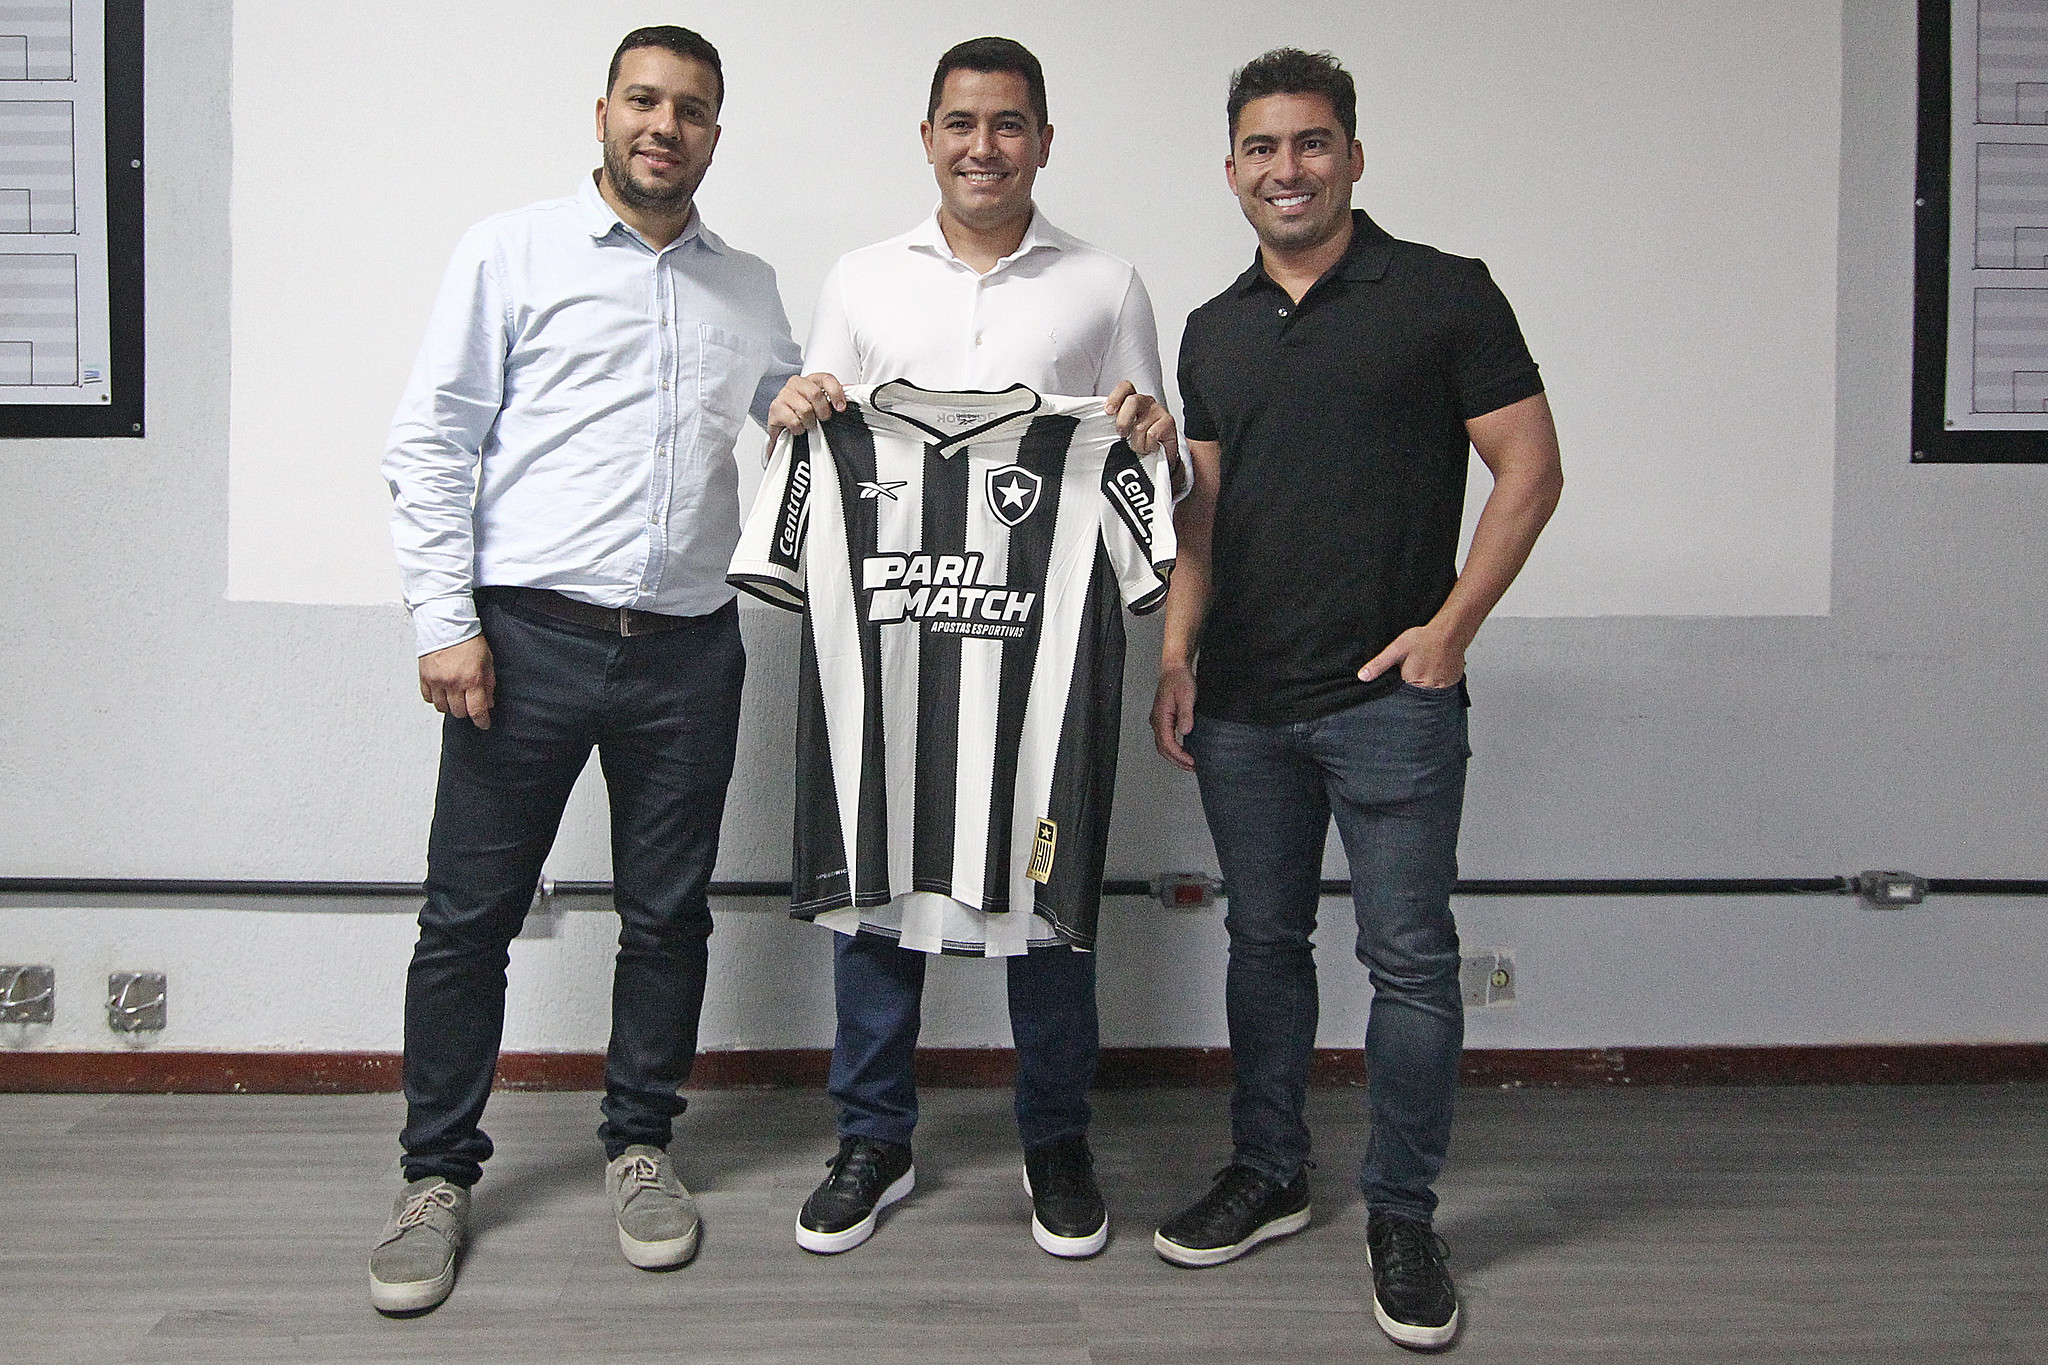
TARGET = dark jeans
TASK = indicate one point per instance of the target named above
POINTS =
(662, 711)
(879, 985)
(1392, 771)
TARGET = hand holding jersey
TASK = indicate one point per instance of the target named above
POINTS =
(805, 401)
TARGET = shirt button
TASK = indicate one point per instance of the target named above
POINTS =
(1283, 312)
(977, 338)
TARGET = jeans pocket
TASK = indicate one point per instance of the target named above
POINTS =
(1417, 689)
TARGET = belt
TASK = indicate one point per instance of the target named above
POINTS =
(616, 620)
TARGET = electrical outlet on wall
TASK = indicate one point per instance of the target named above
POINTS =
(137, 1001)
(1186, 890)
(1487, 977)
(28, 995)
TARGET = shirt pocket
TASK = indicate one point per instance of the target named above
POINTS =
(729, 366)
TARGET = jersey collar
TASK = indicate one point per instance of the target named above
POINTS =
(901, 406)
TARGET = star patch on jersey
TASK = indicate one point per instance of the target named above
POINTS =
(1013, 493)
(880, 490)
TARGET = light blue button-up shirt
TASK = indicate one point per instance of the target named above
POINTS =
(570, 420)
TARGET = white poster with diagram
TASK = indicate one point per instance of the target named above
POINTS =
(55, 323)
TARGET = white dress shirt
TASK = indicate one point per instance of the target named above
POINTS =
(570, 420)
(1056, 315)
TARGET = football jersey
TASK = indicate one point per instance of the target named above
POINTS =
(962, 561)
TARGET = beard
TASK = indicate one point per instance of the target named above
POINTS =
(1299, 234)
(618, 170)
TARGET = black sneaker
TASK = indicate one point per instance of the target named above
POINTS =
(1241, 1210)
(867, 1177)
(1067, 1217)
(1412, 1296)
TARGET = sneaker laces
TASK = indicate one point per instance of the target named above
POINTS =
(855, 1164)
(1067, 1167)
(640, 1173)
(1237, 1186)
(418, 1208)
(1411, 1248)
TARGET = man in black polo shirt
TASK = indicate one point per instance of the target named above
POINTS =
(1315, 652)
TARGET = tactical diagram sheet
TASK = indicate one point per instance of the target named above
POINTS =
(55, 328)
(1998, 217)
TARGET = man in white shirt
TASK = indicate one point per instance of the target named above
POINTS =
(565, 503)
(983, 294)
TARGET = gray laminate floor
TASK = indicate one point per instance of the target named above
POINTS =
(1802, 1224)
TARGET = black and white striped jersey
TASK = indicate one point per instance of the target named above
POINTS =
(962, 561)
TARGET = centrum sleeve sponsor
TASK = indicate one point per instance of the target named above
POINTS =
(1130, 493)
(796, 504)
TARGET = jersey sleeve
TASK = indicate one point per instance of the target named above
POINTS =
(1137, 525)
(770, 560)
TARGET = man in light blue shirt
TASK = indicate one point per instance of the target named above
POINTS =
(565, 505)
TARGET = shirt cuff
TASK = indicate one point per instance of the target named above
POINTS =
(444, 621)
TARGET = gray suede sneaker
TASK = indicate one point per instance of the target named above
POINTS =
(413, 1266)
(657, 1216)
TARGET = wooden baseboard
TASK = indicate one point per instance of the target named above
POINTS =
(349, 1073)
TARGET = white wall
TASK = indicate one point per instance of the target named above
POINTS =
(153, 728)
(1611, 972)
(1653, 185)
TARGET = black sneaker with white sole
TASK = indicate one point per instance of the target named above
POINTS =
(1067, 1216)
(1241, 1210)
(866, 1177)
(1413, 1299)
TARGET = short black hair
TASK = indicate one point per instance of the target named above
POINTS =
(684, 42)
(989, 55)
(1290, 71)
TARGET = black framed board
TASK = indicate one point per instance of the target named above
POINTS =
(71, 228)
(1980, 324)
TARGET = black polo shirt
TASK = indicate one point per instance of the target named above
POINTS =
(1342, 421)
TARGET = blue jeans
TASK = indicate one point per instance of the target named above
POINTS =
(878, 986)
(662, 711)
(1392, 772)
